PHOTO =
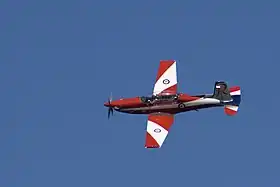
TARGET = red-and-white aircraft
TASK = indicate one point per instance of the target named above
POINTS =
(165, 102)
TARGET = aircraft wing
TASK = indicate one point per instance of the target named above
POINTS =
(166, 80)
(158, 127)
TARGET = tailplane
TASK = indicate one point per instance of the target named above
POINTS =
(229, 97)
(232, 107)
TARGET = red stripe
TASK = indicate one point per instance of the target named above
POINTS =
(230, 112)
(150, 141)
(234, 88)
(170, 90)
(163, 66)
(164, 121)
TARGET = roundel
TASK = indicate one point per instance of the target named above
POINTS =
(166, 81)
(157, 130)
(182, 105)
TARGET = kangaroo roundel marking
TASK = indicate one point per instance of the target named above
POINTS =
(157, 130)
(166, 81)
(181, 105)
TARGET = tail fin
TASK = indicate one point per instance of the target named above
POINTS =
(231, 108)
(222, 92)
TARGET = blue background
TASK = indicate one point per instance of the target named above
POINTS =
(61, 59)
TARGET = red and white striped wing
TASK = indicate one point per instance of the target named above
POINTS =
(166, 81)
(157, 129)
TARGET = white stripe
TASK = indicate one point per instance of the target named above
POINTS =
(237, 92)
(160, 136)
(171, 75)
(231, 107)
(202, 101)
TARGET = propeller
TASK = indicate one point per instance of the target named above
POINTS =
(110, 109)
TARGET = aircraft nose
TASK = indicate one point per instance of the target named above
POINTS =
(107, 104)
(113, 103)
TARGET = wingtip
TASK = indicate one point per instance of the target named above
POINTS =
(152, 147)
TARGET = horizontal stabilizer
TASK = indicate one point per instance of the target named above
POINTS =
(231, 110)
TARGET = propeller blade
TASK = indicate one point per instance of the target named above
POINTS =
(108, 114)
(111, 97)
(110, 111)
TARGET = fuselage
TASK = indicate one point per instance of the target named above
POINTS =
(171, 104)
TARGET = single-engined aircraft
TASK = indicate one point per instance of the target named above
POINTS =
(166, 102)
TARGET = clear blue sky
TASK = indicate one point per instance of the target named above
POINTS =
(59, 61)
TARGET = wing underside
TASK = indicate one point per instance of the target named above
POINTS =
(158, 127)
(166, 80)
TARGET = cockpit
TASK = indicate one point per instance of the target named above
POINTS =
(158, 98)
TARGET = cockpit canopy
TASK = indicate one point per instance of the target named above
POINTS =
(150, 99)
